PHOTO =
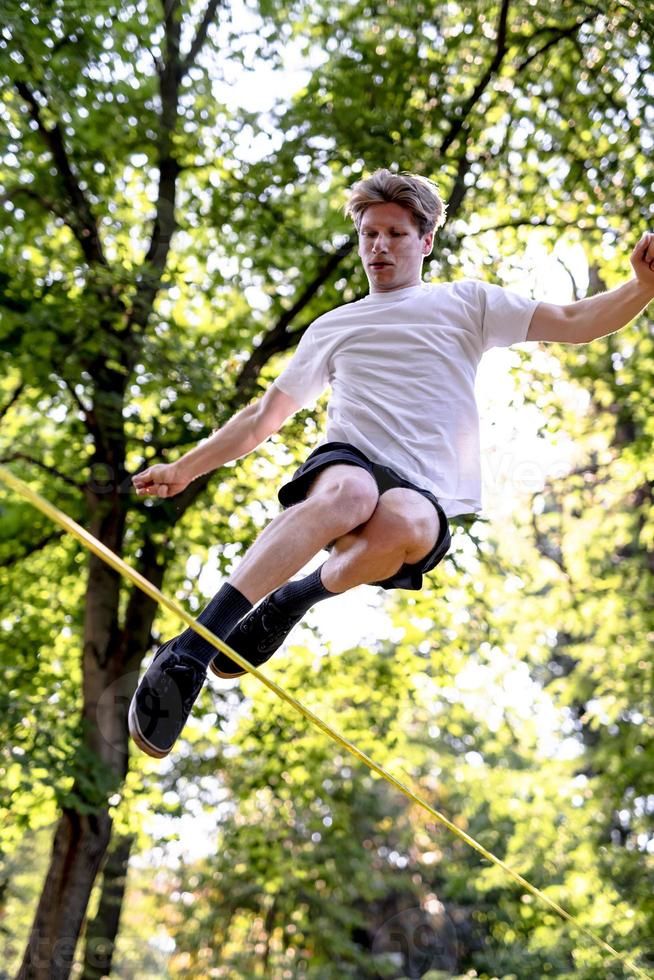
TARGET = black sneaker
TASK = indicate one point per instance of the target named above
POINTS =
(164, 698)
(256, 638)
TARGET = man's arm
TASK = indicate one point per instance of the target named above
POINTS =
(238, 437)
(597, 316)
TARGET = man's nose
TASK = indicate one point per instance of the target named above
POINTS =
(379, 244)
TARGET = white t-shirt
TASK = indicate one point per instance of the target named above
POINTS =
(402, 367)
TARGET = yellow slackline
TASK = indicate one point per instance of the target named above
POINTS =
(124, 569)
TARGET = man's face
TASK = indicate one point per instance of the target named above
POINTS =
(391, 247)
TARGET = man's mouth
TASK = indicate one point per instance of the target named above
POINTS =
(378, 265)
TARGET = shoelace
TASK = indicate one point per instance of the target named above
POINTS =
(182, 675)
(262, 618)
(276, 627)
(268, 618)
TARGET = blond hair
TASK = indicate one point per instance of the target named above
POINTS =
(418, 195)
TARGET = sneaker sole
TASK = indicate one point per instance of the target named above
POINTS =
(139, 738)
(220, 673)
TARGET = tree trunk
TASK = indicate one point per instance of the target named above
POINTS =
(101, 931)
(100, 764)
(79, 845)
(112, 655)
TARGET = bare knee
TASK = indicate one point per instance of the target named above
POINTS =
(403, 525)
(348, 494)
(352, 499)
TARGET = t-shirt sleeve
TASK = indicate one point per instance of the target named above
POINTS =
(306, 375)
(505, 316)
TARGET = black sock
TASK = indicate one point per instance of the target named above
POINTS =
(227, 607)
(299, 596)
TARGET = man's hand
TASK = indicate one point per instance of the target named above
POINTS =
(642, 260)
(160, 480)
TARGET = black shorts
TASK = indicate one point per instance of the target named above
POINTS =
(408, 576)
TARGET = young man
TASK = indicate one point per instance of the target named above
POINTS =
(401, 452)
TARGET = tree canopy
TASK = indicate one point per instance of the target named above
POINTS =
(162, 252)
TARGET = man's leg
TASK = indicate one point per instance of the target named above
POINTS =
(345, 496)
(341, 498)
(403, 528)
(172, 682)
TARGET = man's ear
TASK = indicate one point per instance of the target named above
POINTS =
(428, 243)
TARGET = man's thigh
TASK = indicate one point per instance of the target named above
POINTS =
(403, 519)
(330, 477)
(409, 515)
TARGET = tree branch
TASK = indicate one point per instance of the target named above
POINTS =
(531, 223)
(88, 413)
(38, 546)
(48, 469)
(460, 189)
(158, 66)
(573, 281)
(165, 223)
(500, 51)
(548, 548)
(201, 36)
(46, 204)
(558, 34)
(85, 227)
(278, 339)
(464, 110)
(13, 399)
